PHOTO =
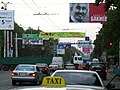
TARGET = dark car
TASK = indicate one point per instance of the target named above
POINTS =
(43, 67)
(100, 68)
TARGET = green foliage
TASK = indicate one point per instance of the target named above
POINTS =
(110, 31)
(69, 52)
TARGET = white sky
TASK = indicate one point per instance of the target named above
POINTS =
(24, 10)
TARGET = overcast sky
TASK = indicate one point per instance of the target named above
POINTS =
(57, 21)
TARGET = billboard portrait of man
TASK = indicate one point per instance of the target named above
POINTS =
(79, 12)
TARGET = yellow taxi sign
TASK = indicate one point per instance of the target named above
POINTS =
(55, 81)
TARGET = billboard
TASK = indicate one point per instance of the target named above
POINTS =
(87, 49)
(87, 12)
(82, 43)
(6, 20)
(64, 45)
(32, 39)
(62, 35)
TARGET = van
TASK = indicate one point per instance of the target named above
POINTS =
(77, 60)
(59, 61)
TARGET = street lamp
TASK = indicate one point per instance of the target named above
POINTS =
(5, 5)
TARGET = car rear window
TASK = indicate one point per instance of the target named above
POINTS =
(79, 78)
(42, 65)
(25, 68)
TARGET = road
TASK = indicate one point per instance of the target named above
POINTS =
(5, 81)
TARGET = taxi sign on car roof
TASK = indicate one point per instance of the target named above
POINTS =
(55, 81)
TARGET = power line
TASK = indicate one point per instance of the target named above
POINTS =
(35, 11)
(29, 6)
(36, 5)
(45, 14)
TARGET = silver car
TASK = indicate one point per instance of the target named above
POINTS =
(26, 73)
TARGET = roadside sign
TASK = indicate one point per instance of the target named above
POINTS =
(60, 51)
(32, 39)
(62, 34)
(6, 20)
(64, 45)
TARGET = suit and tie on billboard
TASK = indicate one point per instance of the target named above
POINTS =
(87, 13)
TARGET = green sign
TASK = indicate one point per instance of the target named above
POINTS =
(31, 36)
(62, 35)
(32, 39)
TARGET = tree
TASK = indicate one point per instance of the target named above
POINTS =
(69, 52)
(110, 30)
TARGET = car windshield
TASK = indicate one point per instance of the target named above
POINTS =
(79, 78)
(25, 68)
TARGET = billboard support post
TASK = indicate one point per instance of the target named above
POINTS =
(6, 35)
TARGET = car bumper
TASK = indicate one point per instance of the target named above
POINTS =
(24, 78)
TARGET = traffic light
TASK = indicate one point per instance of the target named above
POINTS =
(110, 43)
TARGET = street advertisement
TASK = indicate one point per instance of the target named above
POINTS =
(87, 13)
(62, 34)
(6, 20)
(32, 39)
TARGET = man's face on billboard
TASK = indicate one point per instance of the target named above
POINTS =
(79, 11)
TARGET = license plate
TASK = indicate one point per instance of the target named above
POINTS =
(23, 74)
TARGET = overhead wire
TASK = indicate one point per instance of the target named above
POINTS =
(47, 16)
(29, 6)
(35, 11)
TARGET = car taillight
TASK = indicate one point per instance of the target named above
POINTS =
(45, 68)
(14, 74)
(32, 74)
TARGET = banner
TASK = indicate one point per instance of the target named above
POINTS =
(62, 35)
(32, 39)
(64, 45)
(87, 12)
(6, 20)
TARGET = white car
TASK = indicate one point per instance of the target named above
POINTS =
(70, 80)
(53, 67)
(81, 78)
(95, 60)
(26, 73)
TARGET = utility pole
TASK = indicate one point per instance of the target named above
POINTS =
(16, 44)
(6, 35)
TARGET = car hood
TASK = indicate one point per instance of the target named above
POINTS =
(68, 87)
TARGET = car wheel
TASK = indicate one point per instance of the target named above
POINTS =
(13, 82)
